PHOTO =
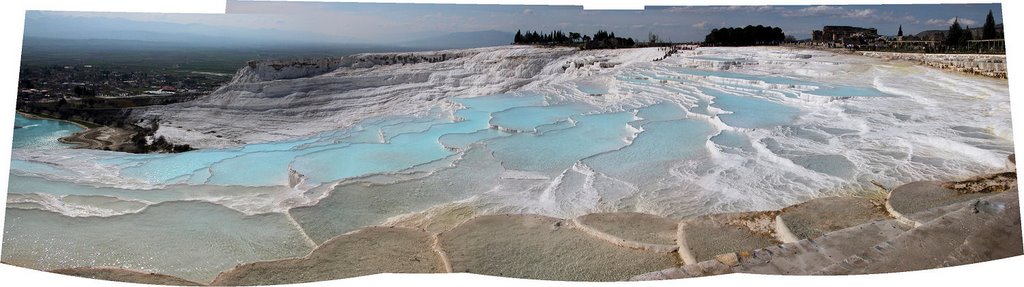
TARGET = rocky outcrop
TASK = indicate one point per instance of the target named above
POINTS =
(295, 178)
(969, 234)
(933, 227)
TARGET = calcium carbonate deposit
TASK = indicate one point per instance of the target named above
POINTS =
(294, 153)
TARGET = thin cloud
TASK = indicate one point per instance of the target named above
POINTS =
(947, 22)
(660, 24)
(867, 14)
(700, 25)
(907, 19)
(862, 13)
(814, 11)
(708, 9)
(830, 11)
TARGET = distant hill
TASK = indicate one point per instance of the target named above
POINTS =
(941, 34)
(155, 55)
(460, 40)
(59, 26)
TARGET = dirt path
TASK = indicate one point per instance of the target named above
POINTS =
(100, 138)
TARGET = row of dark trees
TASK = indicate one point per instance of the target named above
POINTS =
(988, 31)
(959, 37)
(746, 36)
(607, 40)
(555, 37)
(600, 40)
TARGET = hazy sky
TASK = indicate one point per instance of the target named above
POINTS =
(385, 23)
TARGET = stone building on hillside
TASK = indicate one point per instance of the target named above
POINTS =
(844, 35)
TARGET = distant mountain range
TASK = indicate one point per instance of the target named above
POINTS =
(936, 34)
(47, 25)
(41, 25)
(459, 40)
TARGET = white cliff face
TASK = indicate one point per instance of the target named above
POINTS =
(273, 100)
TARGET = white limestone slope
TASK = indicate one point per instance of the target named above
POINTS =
(281, 99)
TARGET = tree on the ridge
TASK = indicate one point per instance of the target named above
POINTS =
(900, 32)
(988, 31)
(966, 36)
(745, 36)
(955, 34)
(601, 40)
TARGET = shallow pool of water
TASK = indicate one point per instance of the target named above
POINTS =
(41, 133)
